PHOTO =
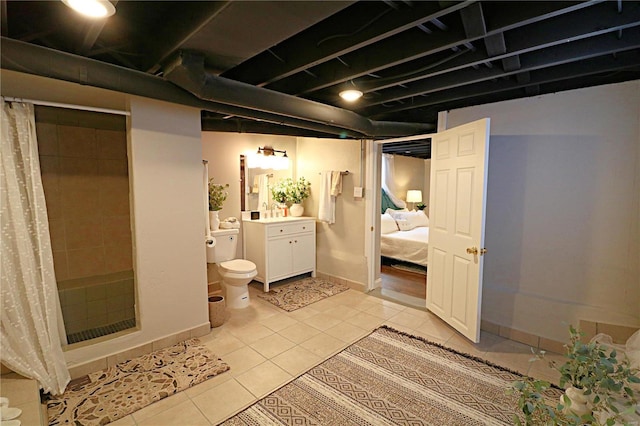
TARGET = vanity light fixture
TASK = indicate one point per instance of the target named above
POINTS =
(92, 8)
(266, 158)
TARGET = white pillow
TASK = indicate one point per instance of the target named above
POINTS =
(393, 213)
(415, 218)
(405, 225)
(387, 224)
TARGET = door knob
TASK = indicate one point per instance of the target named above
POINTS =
(483, 251)
(472, 250)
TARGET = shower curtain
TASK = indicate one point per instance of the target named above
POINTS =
(29, 328)
(388, 180)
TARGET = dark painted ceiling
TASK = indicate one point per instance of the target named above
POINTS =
(410, 58)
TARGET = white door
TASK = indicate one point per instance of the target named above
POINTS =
(456, 236)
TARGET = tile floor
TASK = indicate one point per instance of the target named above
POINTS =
(267, 347)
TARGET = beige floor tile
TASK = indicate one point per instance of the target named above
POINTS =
(365, 321)
(382, 311)
(408, 319)
(272, 345)
(366, 304)
(251, 332)
(264, 379)
(341, 312)
(208, 384)
(223, 401)
(346, 332)
(298, 333)
(303, 313)
(18, 389)
(125, 421)
(158, 407)
(323, 345)
(185, 413)
(322, 321)
(32, 412)
(222, 343)
(242, 360)
(440, 331)
(296, 360)
(278, 322)
(464, 345)
(325, 304)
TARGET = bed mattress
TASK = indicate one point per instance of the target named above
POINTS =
(409, 246)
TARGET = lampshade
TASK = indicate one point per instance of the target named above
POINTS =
(414, 196)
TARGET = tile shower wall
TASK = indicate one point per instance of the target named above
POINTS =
(83, 158)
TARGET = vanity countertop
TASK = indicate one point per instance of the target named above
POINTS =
(280, 219)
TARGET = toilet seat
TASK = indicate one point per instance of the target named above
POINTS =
(239, 266)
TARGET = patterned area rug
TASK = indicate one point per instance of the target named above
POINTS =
(299, 294)
(118, 391)
(391, 378)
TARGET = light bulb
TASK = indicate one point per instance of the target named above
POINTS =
(350, 95)
(92, 8)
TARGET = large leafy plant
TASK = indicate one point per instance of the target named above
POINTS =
(295, 191)
(217, 195)
(597, 371)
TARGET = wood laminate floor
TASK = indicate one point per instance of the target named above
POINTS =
(408, 283)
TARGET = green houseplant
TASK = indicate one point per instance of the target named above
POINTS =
(279, 192)
(599, 388)
(218, 193)
(297, 191)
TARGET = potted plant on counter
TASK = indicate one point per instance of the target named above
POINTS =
(218, 193)
(297, 191)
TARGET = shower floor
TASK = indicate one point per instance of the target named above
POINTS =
(83, 335)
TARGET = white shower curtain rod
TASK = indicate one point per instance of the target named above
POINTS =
(68, 106)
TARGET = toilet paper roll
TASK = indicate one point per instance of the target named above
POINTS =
(211, 243)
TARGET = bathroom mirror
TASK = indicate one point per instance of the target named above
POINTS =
(255, 183)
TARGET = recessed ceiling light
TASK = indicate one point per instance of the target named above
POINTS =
(92, 8)
(350, 95)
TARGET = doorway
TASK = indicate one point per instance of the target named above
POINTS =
(403, 191)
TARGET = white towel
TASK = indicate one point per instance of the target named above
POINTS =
(327, 207)
(263, 191)
(336, 183)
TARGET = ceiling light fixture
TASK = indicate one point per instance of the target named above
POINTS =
(351, 95)
(92, 8)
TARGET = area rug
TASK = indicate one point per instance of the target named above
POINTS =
(118, 391)
(301, 293)
(390, 378)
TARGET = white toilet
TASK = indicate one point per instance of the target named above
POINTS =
(236, 273)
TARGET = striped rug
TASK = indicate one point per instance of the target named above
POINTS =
(390, 378)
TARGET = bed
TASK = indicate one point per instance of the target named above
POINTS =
(405, 236)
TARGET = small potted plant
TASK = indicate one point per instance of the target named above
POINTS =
(421, 206)
(218, 193)
(297, 191)
(599, 388)
(279, 192)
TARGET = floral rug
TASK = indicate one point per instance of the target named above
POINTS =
(392, 378)
(118, 391)
(301, 293)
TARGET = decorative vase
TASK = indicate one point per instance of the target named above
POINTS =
(296, 210)
(214, 220)
(580, 403)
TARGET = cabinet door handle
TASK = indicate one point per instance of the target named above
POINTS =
(295, 241)
(304, 227)
(281, 230)
(289, 242)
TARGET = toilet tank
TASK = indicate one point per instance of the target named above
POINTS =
(226, 244)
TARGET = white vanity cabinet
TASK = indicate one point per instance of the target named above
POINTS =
(280, 248)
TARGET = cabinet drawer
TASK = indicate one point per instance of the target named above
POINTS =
(289, 228)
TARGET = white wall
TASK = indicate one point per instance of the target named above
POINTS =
(563, 208)
(340, 246)
(409, 174)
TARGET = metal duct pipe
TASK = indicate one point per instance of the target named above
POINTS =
(32, 59)
(187, 71)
